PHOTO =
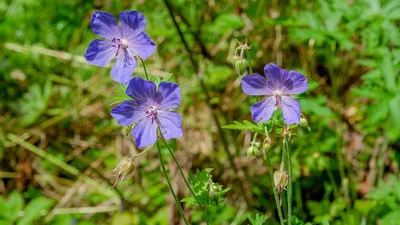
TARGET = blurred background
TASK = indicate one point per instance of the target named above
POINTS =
(59, 145)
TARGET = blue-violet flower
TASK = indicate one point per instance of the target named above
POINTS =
(278, 86)
(120, 42)
(150, 109)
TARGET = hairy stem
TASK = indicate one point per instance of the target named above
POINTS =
(290, 185)
(178, 204)
(274, 189)
(144, 68)
(185, 180)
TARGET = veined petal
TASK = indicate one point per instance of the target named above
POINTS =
(145, 132)
(295, 83)
(171, 95)
(123, 68)
(127, 113)
(141, 90)
(263, 110)
(255, 84)
(100, 52)
(275, 75)
(170, 124)
(142, 45)
(105, 25)
(132, 23)
(290, 109)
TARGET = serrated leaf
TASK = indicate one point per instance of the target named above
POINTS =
(246, 125)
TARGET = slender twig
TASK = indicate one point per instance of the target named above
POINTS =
(208, 97)
(185, 180)
(290, 187)
(178, 204)
(144, 151)
(144, 68)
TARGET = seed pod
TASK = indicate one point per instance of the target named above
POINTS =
(124, 170)
(281, 179)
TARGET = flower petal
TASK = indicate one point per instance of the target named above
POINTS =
(275, 76)
(105, 25)
(170, 124)
(127, 113)
(263, 110)
(290, 109)
(132, 23)
(100, 52)
(255, 84)
(171, 95)
(123, 68)
(142, 45)
(145, 132)
(296, 83)
(141, 90)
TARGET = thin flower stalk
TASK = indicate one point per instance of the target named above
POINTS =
(178, 204)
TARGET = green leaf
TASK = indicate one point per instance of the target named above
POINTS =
(15, 203)
(227, 21)
(258, 220)
(246, 125)
(388, 73)
(35, 209)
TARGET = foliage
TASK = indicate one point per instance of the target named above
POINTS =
(207, 193)
(344, 169)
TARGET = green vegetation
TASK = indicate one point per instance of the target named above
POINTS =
(59, 144)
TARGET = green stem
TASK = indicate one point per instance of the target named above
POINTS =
(144, 151)
(274, 189)
(184, 179)
(290, 185)
(178, 204)
(144, 68)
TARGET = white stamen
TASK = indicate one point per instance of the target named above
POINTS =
(124, 43)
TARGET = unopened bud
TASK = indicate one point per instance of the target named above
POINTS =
(213, 189)
(233, 59)
(241, 66)
(267, 144)
(253, 149)
(304, 123)
(281, 179)
(124, 170)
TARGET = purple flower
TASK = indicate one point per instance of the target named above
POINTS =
(150, 109)
(278, 88)
(121, 41)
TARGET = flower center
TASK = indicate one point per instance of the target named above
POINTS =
(277, 95)
(278, 92)
(124, 43)
(152, 113)
(120, 44)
